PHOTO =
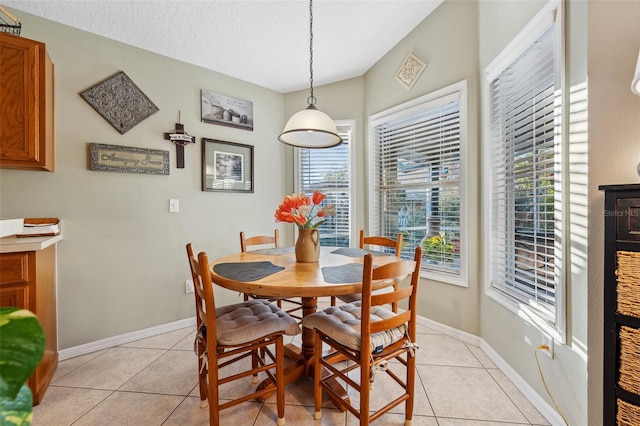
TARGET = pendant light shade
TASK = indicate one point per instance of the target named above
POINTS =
(310, 128)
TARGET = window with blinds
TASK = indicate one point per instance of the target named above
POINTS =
(417, 180)
(525, 168)
(328, 170)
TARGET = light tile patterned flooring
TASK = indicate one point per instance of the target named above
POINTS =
(154, 382)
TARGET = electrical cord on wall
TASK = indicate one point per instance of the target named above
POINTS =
(546, 348)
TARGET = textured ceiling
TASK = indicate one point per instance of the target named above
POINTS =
(265, 42)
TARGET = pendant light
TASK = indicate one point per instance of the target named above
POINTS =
(310, 128)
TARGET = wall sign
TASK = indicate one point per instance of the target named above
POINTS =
(129, 159)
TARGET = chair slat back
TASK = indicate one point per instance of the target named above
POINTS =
(393, 322)
(391, 271)
(259, 240)
(391, 297)
(382, 242)
(203, 290)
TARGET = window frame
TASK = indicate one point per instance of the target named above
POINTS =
(551, 15)
(408, 108)
(348, 126)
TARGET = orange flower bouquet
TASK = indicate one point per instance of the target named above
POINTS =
(304, 211)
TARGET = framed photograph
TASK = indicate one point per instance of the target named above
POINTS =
(226, 111)
(226, 166)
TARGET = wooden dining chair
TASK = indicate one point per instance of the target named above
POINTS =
(259, 240)
(231, 333)
(293, 306)
(369, 335)
(374, 241)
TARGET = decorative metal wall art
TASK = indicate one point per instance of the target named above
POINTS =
(410, 70)
(119, 101)
(129, 159)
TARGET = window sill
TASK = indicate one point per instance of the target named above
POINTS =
(444, 278)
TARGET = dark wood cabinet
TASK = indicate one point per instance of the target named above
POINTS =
(621, 370)
(26, 104)
(28, 280)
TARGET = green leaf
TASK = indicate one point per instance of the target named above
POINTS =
(21, 348)
(18, 411)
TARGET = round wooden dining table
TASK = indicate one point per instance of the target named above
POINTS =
(276, 273)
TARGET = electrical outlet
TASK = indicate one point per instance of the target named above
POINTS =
(548, 342)
(188, 286)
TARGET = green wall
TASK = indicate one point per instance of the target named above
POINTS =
(122, 262)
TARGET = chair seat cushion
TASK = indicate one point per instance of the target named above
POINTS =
(342, 324)
(250, 320)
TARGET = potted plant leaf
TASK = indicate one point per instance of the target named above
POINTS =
(21, 348)
(439, 248)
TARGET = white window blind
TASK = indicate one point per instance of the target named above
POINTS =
(417, 180)
(525, 171)
(328, 170)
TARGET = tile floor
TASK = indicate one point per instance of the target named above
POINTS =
(154, 382)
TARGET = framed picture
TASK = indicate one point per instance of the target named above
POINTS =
(226, 111)
(410, 71)
(226, 166)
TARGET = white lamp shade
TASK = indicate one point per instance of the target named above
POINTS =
(310, 128)
(635, 83)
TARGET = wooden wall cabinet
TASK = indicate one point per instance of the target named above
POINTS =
(621, 369)
(26, 104)
(28, 280)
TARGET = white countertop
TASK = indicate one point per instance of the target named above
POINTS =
(14, 244)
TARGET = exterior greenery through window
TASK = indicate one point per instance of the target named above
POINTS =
(526, 201)
(417, 176)
(329, 171)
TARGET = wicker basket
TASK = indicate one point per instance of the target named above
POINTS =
(629, 372)
(628, 288)
(628, 414)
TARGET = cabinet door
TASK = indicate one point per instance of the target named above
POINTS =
(14, 296)
(14, 280)
(26, 104)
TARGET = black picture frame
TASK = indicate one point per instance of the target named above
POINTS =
(226, 166)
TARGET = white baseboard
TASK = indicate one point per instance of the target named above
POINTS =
(545, 409)
(449, 331)
(541, 405)
(124, 338)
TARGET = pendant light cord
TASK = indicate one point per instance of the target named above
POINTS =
(311, 100)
